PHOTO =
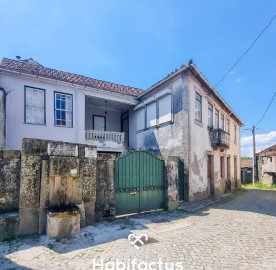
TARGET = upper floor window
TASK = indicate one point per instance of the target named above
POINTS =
(140, 119)
(63, 109)
(228, 126)
(164, 109)
(99, 122)
(198, 107)
(222, 121)
(34, 105)
(154, 111)
(216, 118)
(151, 114)
(235, 133)
(210, 115)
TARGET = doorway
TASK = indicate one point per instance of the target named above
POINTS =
(210, 174)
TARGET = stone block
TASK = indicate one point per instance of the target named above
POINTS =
(89, 212)
(28, 221)
(34, 147)
(11, 154)
(8, 226)
(30, 166)
(63, 224)
(29, 192)
(64, 166)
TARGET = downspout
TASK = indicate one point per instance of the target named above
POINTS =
(3, 122)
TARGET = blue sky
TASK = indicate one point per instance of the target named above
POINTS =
(139, 42)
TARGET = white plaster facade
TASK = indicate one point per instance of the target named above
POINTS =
(16, 129)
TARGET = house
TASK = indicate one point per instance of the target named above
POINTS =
(246, 171)
(182, 115)
(266, 161)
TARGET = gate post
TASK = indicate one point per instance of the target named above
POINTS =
(172, 196)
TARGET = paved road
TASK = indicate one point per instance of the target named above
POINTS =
(238, 234)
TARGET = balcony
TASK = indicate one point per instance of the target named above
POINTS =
(219, 138)
(106, 141)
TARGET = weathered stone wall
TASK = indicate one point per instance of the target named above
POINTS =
(55, 175)
(105, 203)
(9, 180)
(2, 118)
(172, 177)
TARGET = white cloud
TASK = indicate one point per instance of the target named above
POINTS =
(262, 141)
(240, 79)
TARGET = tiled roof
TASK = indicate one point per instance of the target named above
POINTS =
(33, 68)
(268, 152)
(246, 163)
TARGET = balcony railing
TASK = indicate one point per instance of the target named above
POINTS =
(105, 140)
(219, 138)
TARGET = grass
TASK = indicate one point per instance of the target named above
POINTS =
(259, 185)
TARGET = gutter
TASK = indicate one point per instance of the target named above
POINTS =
(4, 142)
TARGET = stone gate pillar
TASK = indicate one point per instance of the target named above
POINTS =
(172, 183)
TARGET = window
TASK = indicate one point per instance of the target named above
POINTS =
(151, 114)
(228, 126)
(198, 108)
(222, 167)
(99, 123)
(235, 133)
(221, 121)
(140, 119)
(164, 109)
(34, 105)
(216, 118)
(63, 109)
(210, 115)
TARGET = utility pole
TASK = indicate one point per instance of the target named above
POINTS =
(254, 156)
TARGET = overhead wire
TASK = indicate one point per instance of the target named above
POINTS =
(246, 51)
(266, 109)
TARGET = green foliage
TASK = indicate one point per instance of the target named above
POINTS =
(246, 158)
(259, 185)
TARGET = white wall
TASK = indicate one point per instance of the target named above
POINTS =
(113, 118)
(17, 129)
(201, 147)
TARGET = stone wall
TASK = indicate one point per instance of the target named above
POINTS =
(9, 180)
(55, 175)
(105, 203)
(2, 118)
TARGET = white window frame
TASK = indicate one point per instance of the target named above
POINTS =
(151, 122)
(159, 117)
(198, 107)
(222, 124)
(210, 115)
(216, 118)
(66, 114)
(141, 110)
(31, 110)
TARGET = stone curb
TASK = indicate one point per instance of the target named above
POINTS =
(193, 207)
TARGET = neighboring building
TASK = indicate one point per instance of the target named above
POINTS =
(267, 165)
(246, 171)
(181, 115)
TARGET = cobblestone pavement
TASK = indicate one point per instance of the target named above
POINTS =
(238, 234)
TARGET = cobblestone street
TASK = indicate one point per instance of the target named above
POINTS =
(238, 234)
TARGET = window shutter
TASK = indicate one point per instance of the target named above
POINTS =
(151, 114)
(140, 119)
(165, 109)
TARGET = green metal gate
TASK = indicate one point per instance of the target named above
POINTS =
(181, 180)
(139, 183)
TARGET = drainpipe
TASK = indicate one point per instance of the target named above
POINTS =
(2, 118)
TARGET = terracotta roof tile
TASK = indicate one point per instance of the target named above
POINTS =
(33, 68)
(268, 152)
(246, 163)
